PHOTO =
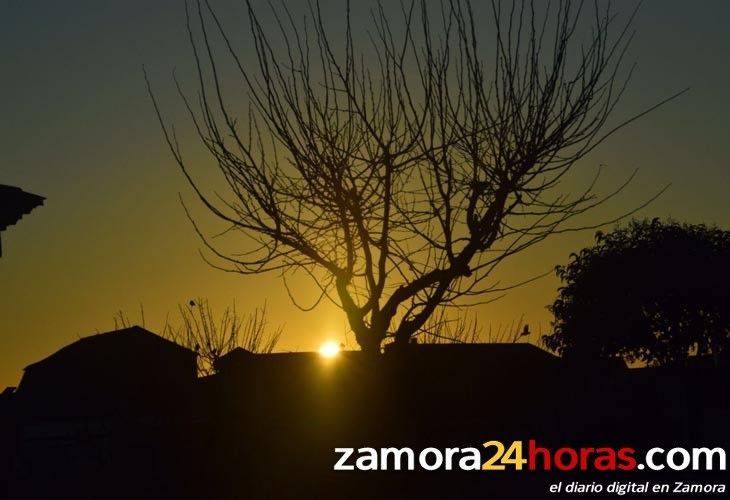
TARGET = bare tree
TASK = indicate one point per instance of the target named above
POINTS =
(454, 326)
(399, 175)
(444, 328)
(211, 339)
(199, 330)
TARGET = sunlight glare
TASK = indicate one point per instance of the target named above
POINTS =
(329, 349)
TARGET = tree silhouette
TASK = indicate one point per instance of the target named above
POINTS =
(652, 291)
(399, 175)
(200, 331)
(211, 336)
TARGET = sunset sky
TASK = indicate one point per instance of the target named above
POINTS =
(79, 128)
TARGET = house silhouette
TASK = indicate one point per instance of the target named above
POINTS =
(127, 362)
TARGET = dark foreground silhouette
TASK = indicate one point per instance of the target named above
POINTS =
(14, 204)
(122, 415)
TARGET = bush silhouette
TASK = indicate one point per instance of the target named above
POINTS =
(653, 292)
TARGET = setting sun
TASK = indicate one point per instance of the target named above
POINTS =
(329, 349)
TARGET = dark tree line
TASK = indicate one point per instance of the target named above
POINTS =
(651, 291)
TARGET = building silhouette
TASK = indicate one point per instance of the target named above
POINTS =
(122, 363)
(122, 415)
(14, 203)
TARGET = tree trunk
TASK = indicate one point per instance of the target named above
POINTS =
(370, 342)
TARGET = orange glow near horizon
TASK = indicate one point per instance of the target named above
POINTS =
(120, 241)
